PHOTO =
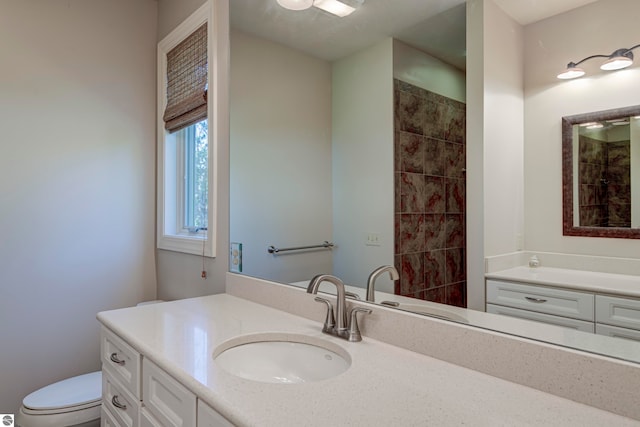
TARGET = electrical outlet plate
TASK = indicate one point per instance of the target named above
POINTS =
(236, 258)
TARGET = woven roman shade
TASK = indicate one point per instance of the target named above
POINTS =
(187, 82)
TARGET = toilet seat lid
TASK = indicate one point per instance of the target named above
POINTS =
(67, 393)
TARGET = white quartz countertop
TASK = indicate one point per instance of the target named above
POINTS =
(385, 385)
(606, 283)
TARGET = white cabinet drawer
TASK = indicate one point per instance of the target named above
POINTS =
(615, 331)
(566, 322)
(118, 401)
(557, 302)
(209, 417)
(616, 311)
(123, 361)
(106, 419)
(166, 399)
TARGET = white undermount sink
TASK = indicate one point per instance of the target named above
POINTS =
(282, 358)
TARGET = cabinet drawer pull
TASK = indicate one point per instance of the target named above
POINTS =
(114, 358)
(536, 300)
(117, 404)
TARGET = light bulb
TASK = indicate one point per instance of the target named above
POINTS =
(571, 73)
(616, 63)
(295, 4)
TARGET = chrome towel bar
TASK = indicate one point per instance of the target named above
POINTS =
(274, 250)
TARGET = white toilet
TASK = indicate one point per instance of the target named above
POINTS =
(71, 402)
(74, 402)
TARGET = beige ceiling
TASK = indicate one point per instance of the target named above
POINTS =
(437, 27)
(529, 11)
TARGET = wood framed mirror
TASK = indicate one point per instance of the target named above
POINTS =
(601, 173)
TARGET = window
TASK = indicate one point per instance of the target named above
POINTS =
(193, 146)
(185, 151)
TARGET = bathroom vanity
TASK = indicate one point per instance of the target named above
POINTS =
(159, 370)
(601, 303)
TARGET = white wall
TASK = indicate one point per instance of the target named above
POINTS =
(475, 155)
(363, 161)
(416, 67)
(598, 28)
(280, 158)
(179, 274)
(503, 132)
(495, 212)
(76, 181)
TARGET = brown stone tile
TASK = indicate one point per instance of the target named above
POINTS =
(454, 122)
(436, 295)
(432, 123)
(435, 157)
(397, 192)
(412, 190)
(456, 294)
(411, 113)
(411, 152)
(455, 160)
(434, 268)
(411, 233)
(434, 195)
(411, 274)
(456, 268)
(455, 232)
(435, 232)
(455, 195)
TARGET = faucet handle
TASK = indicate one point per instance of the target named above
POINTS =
(329, 321)
(354, 331)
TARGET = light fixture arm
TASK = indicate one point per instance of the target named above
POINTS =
(618, 52)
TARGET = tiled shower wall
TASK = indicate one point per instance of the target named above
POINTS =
(605, 183)
(430, 252)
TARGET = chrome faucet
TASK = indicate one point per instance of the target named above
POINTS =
(371, 288)
(341, 327)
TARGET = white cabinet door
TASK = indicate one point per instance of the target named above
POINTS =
(209, 417)
(565, 322)
(147, 420)
(616, 311)
(557, 302)
(166, 399)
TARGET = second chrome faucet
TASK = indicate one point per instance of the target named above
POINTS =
(343, 327)
(371, 282)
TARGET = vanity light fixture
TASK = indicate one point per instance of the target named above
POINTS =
(619, 59)
(335, 7)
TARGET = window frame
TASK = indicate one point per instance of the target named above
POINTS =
(170, 234)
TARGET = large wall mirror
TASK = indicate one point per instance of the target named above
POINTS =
(601, 173)
(329, 142)
(351, 131)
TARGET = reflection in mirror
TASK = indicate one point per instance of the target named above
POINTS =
(601, 173)
(330, 142)
(358, 141)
